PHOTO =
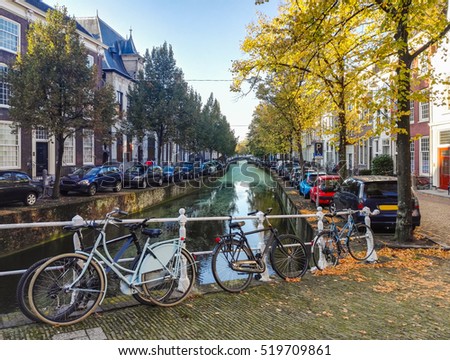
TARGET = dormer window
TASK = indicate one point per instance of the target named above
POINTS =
(90, 61)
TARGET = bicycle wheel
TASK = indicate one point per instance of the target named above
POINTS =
(288, 256)
(50, 298)
(172, 288)
(226, 254)
(324, 250)
(140, 296)
(22, 290)
(361, 242)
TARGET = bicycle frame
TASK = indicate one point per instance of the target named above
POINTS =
(154, 257)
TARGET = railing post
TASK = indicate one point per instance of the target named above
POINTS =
(322, 260)
(262, 245)
(373, 257)
(77, 220)
(182, 220)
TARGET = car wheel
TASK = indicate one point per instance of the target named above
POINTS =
(92, 190)
(332, 207)
(64, 192)
(118, 186)
(30, 199)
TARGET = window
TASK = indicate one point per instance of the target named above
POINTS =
(69, 150)
(88, 147)
(9, 147)
(41, 134)
(425, 156)
(4, 86)
(362, 149)
(411, 149)
(386, 147)
(90, 61)
(9, 35)
(424, 111)
(411, 111)
(120, 100)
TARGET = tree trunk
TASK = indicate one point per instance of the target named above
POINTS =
(403, 229)
(60, 153)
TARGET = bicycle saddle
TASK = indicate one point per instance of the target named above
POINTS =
(153, 233)
(237, 224)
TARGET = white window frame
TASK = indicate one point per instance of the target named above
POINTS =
(424, 111)
(7, 42)
(88, 147)
(385, 147)
(9, 147)
(411, 111)
(424, 156)
(412, 147)
(5, 89)
(69, 150)
(90, 61)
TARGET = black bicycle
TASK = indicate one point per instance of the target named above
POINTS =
(234, 263)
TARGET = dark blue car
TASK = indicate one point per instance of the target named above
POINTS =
(98, 178)
(375, 192)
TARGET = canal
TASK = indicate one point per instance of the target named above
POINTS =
(242, 189)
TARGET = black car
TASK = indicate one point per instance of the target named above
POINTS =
(98, 178)
(16, 186)
(141, 176)
(375, 192)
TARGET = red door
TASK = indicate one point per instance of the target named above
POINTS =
(444, 167)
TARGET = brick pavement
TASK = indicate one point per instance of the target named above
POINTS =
(435, 211)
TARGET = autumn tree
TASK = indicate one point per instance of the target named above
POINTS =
(52, 86)
(408, 28)
(317, 46)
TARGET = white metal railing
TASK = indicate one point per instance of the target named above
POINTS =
(182, 219)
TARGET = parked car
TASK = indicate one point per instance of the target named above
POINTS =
(154, 175)
(375, 192)
(172, 173)
(98, 178)
(307, 181)
(187, 168)
(134, 176)
(80, 171)
(141, 176)
(287, 168)
(324, 188)
(294, 176)
(16, 186)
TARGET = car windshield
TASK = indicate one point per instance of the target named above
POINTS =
(381, 189)
(329, 185)
(93, 171)
(134, 169)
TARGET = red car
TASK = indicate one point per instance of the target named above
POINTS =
(324, 187)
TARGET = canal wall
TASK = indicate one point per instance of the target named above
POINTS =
(302, 227)
(89, 208)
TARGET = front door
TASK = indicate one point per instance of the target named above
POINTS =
(41, 157)
(444, 168)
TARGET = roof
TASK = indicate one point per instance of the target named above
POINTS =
(118, 46)
(38, 4)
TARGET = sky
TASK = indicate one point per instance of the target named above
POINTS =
(205, 36)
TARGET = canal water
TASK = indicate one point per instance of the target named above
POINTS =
(244, 188)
